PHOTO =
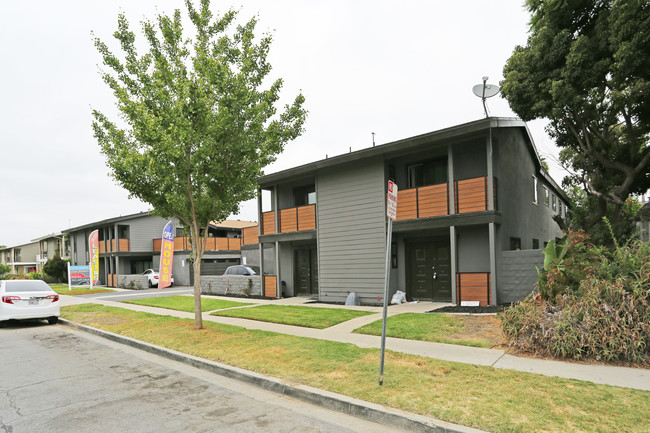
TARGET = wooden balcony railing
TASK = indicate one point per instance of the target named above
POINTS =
(473, 286)
(433, 200)
(108, 246)
(182, 243)
(250, 235)
(268, 223)
(294, 219)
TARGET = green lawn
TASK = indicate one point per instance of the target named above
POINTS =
(309, 317)
(439, 328)
(186, 303)
(63, 289)
(491, 399)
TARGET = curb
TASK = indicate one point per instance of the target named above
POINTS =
(340, 403)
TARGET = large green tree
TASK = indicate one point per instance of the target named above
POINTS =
(56, 268)
(198, 118)
(586, 68)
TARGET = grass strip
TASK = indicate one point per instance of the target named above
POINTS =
(186, 303)
(439, 328)
(64, 289)
(309, 317)
(496, 400)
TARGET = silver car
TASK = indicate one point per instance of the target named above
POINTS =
(28, 299)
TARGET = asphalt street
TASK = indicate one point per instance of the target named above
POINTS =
(54, 379)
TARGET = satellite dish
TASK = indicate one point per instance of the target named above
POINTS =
(485, 91)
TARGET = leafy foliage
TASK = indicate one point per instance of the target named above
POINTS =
(4, 269)
(586, 68)
(198, 123)
(56, 268)
(594, 304)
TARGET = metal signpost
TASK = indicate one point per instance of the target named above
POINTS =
(391, 212)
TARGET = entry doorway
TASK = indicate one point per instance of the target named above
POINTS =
(428, 269)
(305, 271)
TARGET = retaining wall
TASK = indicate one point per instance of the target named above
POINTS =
(518, 276)
(231, 285)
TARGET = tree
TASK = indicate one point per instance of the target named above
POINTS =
(56, 268)
(197, 124)
(4, 269)
(586, 67)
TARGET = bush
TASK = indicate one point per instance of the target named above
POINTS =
(4, 269)
(57, 268)
(593, 304)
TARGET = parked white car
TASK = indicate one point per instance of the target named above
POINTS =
(152, 277)
(28, 299)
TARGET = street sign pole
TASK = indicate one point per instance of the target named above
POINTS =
(391, 213)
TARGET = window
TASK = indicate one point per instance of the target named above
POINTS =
(545, 196)
(535, 195)
(515, 244)
(123, 232)
(535, 244)
(430, 172)
(554, 203)
(180, 232)
(304, 195)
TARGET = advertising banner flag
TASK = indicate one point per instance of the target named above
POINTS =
(93, 246)
(166, 256)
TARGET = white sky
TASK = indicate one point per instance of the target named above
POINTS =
(394, 68)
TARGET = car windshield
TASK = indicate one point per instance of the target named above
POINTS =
(26, 286)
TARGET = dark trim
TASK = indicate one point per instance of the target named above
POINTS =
(464, 219)
(290, 236)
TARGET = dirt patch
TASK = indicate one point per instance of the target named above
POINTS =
(483, 328)
(488, 309)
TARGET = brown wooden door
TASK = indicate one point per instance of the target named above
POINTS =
(428, 269)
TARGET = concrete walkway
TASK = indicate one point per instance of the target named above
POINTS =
(637, 378)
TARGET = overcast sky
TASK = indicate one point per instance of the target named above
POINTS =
(397, 69)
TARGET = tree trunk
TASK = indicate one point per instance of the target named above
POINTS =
(198, 318)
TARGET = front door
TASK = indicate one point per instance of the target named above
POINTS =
(306, 271)
(429, 272)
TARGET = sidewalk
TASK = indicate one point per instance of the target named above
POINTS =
(637, 378)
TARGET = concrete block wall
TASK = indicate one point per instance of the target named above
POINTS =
(518, 276)
(139, 281)
(231, 285)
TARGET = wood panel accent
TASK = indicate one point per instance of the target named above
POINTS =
(111, 280)
(157, 244)
(102, 247)
(123, 244)
(288, 220)
(270, 286)
(234, 244)
(471, 195)
(250, 235)
(407, 207)
(307, 217)
(473, 286)
(268, 223)
(433, 200)
(111, 246)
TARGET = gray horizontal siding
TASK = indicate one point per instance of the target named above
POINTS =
(351, 231)
(518, 276)
(144, 230)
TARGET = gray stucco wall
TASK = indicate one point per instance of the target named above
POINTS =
(351, 231)
(231, 285)
(514, 169)
(473, 249)
(518, 274)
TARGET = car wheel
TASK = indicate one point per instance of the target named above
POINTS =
(52, 320)
(149, 283)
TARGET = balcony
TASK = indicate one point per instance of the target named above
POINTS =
(108, 246)
(295, 219)
(433, 200)
(213, 244)
(250, 235)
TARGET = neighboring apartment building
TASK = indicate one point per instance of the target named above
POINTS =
(129, 245)
(468, 195)
(32, 256)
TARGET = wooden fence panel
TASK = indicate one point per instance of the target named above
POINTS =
(288, 220)
(473, 287)
(270, 286)
(407, 207)
(307, 217)
(433, 200)
(268, 223)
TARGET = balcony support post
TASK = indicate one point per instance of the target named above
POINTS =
(490, 173)
(453, 256)
(278, 288)
(493, 265)
(451, 208)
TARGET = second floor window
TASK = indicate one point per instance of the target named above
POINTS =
(535, 197)
(304, 195)
(430, 172)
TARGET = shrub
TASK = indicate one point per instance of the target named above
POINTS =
(594, 304)
(4, 268)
